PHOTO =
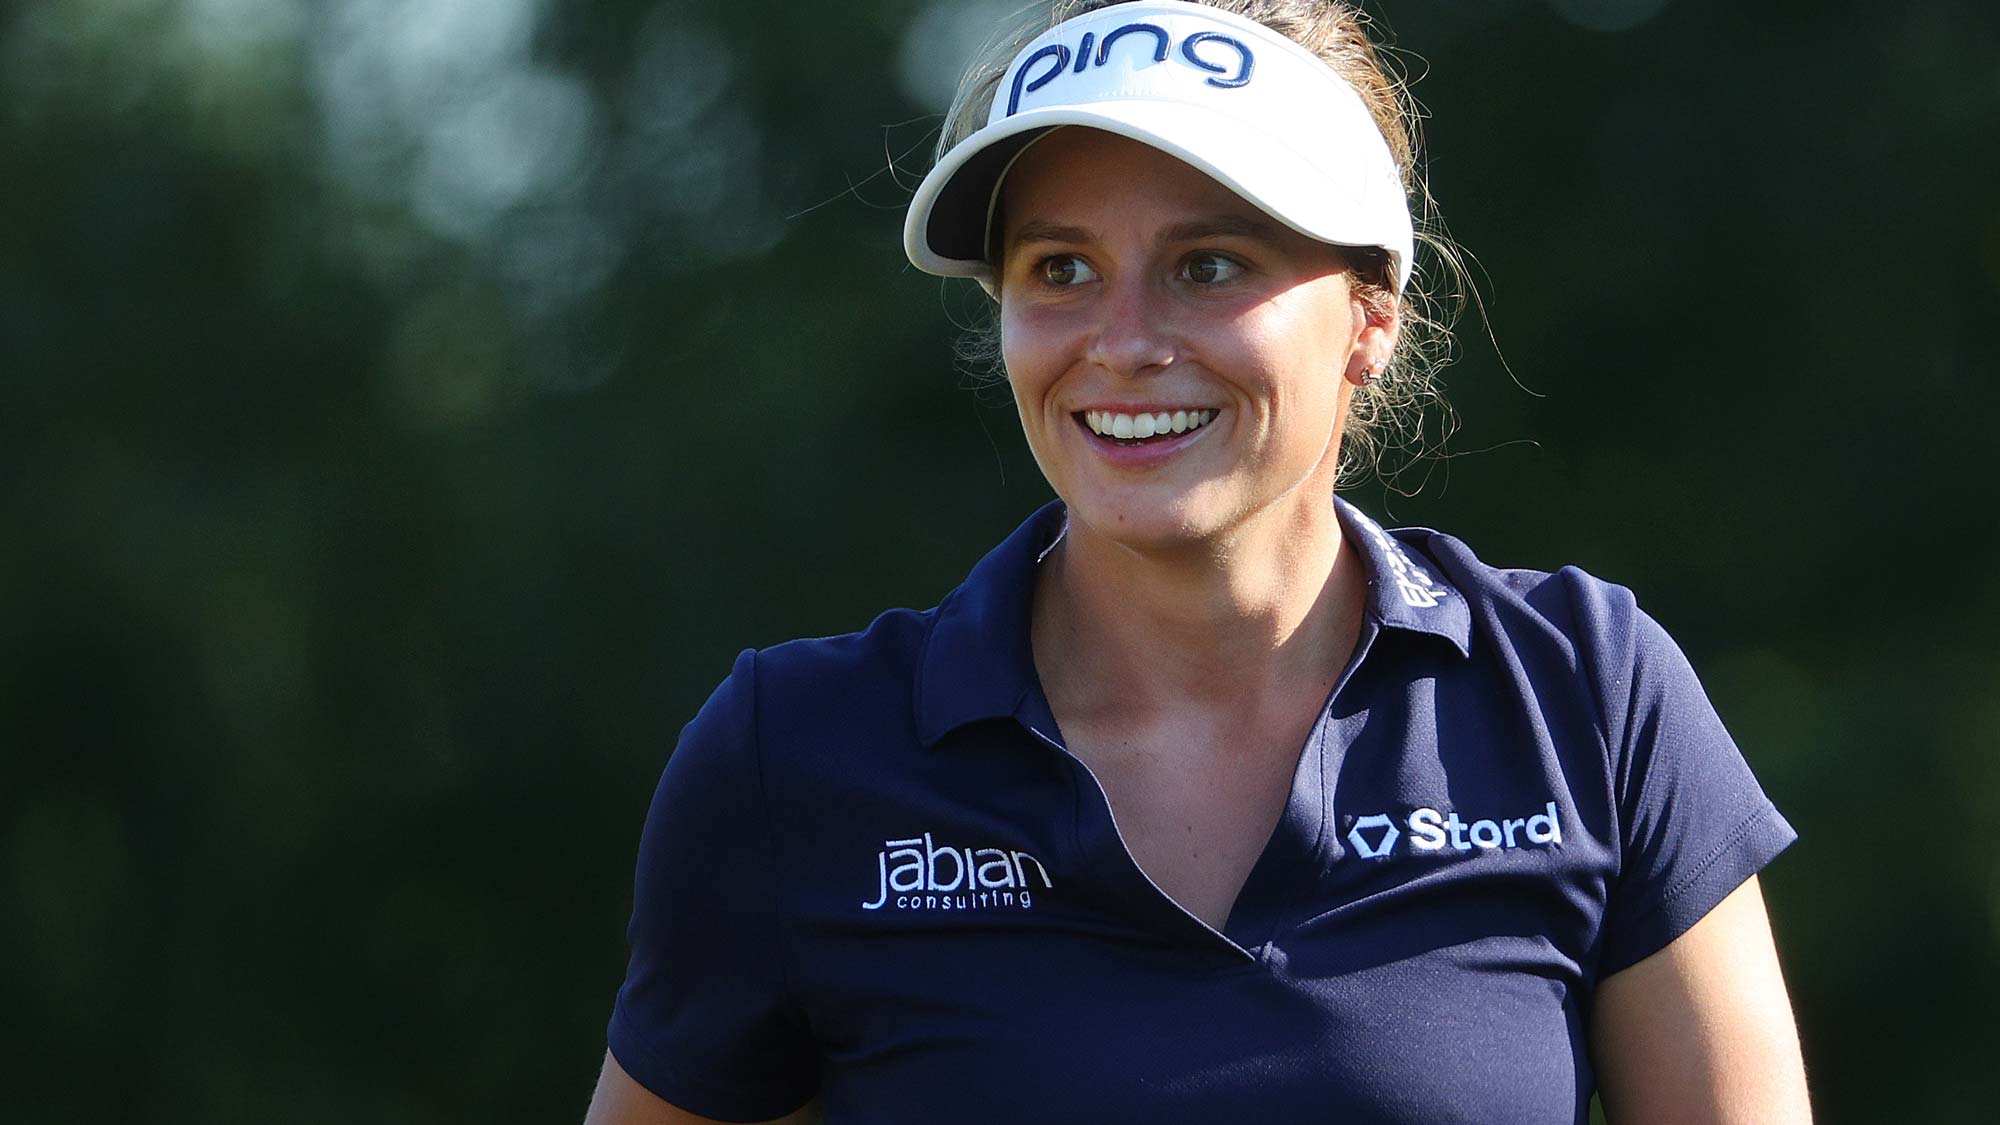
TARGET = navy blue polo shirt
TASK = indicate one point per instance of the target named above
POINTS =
(872, 872)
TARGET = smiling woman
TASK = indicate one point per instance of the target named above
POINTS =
(1205, 797)
(1367, 136)
(1183, 299)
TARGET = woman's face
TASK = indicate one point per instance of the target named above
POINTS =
(1133, 286)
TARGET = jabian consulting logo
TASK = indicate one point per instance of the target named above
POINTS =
(911, 875)
(1428, 830)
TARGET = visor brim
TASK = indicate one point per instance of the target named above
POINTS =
(947, 226)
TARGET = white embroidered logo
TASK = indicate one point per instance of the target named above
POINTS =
(916, 874)
(1412, 581)
(1382, 844)
(1434, 831)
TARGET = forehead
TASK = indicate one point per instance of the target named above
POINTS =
(1078, 169)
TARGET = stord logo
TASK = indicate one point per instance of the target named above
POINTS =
(1375, 836)
(912, 875)
(1384, 841)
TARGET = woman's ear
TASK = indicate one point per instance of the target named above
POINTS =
(1375, 343)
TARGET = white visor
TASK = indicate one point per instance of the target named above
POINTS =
(1257, 112)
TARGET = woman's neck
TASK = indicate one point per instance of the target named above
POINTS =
(1267, 610)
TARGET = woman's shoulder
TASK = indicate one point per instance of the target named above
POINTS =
(1552, 633)
(1568, 606)
(870, 667)
(887, 647)
(809, 695)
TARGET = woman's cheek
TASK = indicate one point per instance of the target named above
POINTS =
(1032, 353)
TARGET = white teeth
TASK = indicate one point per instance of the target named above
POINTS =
(1131, 426)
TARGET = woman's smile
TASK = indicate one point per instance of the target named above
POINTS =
(1143, 438)
(1145, 423)
(1175, 353)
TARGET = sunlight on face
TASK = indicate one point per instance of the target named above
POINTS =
(1133, 285)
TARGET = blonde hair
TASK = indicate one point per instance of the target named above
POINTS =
(1389, 414)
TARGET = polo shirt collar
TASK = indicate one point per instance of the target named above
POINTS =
(976, 662)
(1405, 590)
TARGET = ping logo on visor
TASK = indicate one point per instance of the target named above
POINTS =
(1260, 114)
(1234, 74)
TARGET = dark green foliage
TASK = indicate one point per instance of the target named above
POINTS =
(368, 541)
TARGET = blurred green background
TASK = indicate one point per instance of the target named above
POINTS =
(408, 407)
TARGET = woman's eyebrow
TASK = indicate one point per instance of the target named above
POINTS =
(1221, 226)
(1040, 231)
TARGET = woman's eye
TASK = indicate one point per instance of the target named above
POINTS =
(1211, 269)
(1066, 269)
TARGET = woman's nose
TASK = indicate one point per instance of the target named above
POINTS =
(1132, 334)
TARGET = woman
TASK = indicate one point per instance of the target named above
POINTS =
(1204, 798)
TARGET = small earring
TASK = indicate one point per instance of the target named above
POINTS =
(1371, 372)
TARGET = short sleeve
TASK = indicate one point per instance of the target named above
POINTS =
(1693, 822)
(705, 1018)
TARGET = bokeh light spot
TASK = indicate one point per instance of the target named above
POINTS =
(940, 38)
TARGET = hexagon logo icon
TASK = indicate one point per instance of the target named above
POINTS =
(1382, 846)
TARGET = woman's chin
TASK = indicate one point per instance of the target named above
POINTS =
(1142, 524)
